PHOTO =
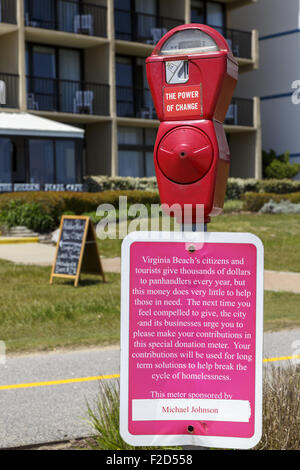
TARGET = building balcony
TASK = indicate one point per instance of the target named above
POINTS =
(135, 103)
(240, 42)
(68, 16)
(232, 4)
(142, 27)
(8, 12)
(9, 83)
(67, 96)
(240, 113)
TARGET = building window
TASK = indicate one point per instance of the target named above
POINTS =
(135, 19)
(52, 14)
(133, 94)
(43, 13)
(54, 76)
(135, 156)
(65, 162)
(71, 16)
(125, 86)
(210, 13)
(123, 20)
(53, 161)
(5, 160)
(41, 161)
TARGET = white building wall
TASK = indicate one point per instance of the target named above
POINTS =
(278, 24)
(267, 16)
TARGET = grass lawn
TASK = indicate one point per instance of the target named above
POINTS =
(280, 234)
(36, 316)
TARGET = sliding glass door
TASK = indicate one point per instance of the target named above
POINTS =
(215, 16)
(133, 95)
(53, 161)
(41, 161)
(41, 61)
(146, 18)
(65, 161)
(66, 14)
(123, 20)
(54, 78)
(125, 87)
(5, 160)
(52, 14)
(69, 79)
(40, 13)
(210, 13)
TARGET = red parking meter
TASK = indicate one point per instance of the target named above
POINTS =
(192, 75)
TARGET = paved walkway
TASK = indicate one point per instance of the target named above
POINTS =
(43, 255)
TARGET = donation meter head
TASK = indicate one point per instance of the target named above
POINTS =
(192, 75)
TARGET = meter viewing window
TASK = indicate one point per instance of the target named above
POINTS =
(177, 71)
(189, 41)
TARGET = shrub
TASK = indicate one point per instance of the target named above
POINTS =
(281, 409)
(44, 210)
(283, 207)
(278, 167)
(236, 187)
(283, 186)
(30, 215)
(281, 413)
(104, 420)
(119, 183)
(235, 205)
(253, 202)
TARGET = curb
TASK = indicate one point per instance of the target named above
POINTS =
(10, 241)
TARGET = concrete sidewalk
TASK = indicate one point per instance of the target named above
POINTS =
(43, 255)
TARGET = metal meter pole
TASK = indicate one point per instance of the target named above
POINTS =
(192, 228)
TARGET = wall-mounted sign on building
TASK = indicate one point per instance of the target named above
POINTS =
(28, 187)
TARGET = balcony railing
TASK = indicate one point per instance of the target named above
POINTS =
(240, 113)
(67, 96)
(68, 16)
(11, 90)
(240, 42)
(142, 27)
(8, 11)
(135, 103)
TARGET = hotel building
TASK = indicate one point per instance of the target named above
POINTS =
(77, 98)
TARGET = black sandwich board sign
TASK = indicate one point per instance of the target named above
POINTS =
(77, 250)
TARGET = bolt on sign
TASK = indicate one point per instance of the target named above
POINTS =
(191, 340)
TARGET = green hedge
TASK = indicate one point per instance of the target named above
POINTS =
(78, 202)
(119, 183)
(47, 208)
(253, 202)
(236, 187)
(41, 211)
(30, 214)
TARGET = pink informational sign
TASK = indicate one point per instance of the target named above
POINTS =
(191, 339)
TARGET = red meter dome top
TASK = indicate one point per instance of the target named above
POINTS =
(191, 38)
